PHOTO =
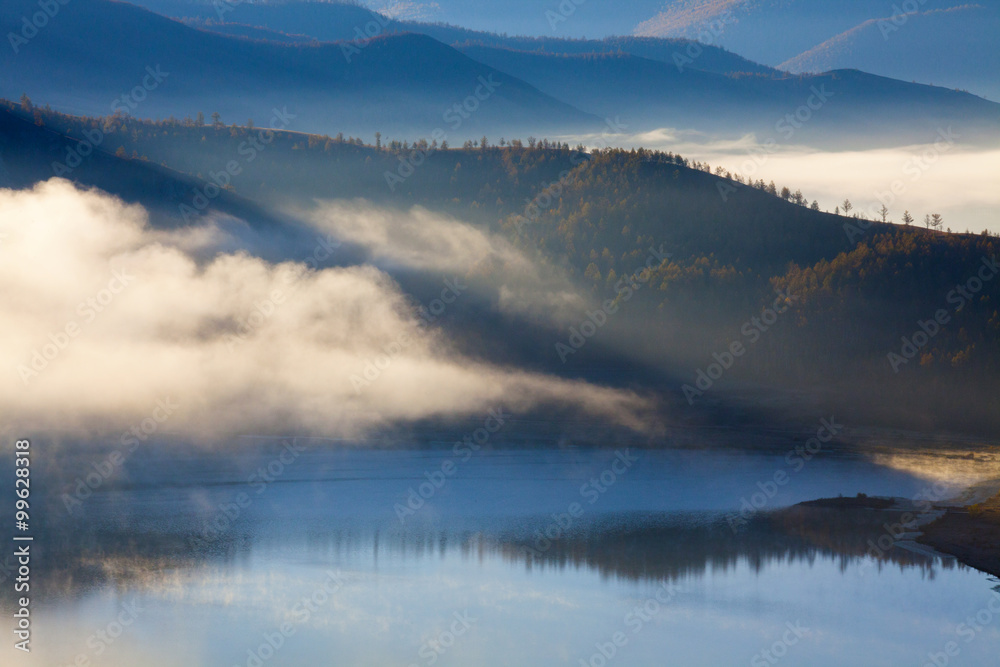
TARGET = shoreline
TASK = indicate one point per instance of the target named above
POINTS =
(966, 527)
(969, 531)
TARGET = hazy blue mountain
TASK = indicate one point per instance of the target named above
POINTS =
(955, 47)
(325, 21)
(770, 31)
(95, 51)
(851, 107)
(248, 31)
(675, 52)
(589, 18)
(338, 21)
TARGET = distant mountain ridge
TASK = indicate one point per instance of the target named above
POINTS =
(248, 31)
(400, 84)
(770, 31)
(836, 109)
(950, 43)
(947, 43)
(407, 85)
(555, 18)
(330, 21)
(650, 83)
(954, 47)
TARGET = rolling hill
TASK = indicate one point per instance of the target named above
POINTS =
(731, 245)
(32, 152)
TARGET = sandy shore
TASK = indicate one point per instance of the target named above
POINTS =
(965, 527)
(969, 531)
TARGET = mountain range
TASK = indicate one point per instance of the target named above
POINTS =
(948, 43)
(95, 51)
(955, 47)
(448, 82)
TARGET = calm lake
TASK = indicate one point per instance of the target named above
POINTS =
(345, 556)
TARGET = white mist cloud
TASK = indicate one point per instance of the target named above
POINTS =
(427, 241)
(959, 181)
(417, 239)
(104, 317)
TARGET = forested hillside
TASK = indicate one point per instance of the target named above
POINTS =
(855, 288)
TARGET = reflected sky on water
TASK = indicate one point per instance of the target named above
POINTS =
(496, 568)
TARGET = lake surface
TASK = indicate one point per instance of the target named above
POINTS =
(520, 557)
